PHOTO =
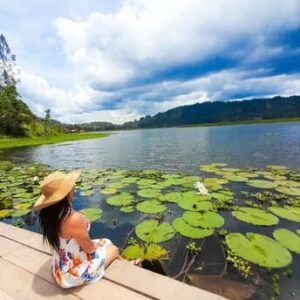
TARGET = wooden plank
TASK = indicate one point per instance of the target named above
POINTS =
(20, 284)
(122, 273)
(158, 286)
(23, 236)
(38, 264)
(6, 246)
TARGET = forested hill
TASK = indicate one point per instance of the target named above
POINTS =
(223, 111)
(16, 119)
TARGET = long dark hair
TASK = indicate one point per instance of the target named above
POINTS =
(50, 219)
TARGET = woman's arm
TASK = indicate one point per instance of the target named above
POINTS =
(80, 234)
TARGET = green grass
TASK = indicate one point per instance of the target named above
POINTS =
(8, 142)
(266, 121)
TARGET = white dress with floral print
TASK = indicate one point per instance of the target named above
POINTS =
(71, 266)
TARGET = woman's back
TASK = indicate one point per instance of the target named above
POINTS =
(71, 265)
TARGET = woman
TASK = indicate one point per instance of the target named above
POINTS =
(76, 258)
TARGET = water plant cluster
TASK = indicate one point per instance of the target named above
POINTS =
(188, 206)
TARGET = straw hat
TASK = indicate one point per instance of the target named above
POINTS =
(55, 187)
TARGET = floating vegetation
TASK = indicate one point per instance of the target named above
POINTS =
(93, 214)
(262, 184)
(152, 231)
(151, 207)
(184, 208)
(127, 209)
(259, 249)
(287, 212)
(148, 193)
(288, 239)
(255, 216)
(148, 251)
(187, 230)
(207, 219)
(122, 199)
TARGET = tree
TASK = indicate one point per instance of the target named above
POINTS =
(7, 64)
(48, 114)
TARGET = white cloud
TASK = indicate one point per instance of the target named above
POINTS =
(147, 36)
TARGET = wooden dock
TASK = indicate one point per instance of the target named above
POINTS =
(25, 274)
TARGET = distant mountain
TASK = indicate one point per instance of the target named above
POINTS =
(222, 111)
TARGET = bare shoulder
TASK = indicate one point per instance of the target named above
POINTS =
(76, 219)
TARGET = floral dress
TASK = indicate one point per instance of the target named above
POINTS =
(71, 266)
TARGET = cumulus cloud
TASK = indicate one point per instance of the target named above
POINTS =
(145, 37)
(121, 65)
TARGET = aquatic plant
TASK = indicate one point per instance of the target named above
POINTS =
(255, 216)
(259, 249)
(151, 207)
(207, 219)
(93, 214)
(288, 239)
(286, 212)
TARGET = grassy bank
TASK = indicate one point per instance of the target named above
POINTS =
(8, 142)
(268, 121)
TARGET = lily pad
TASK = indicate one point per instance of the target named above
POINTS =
(259, 249)
(207, 219)
(262, 184)
(20, 212)
(149, 252)
(117, 185)
(152, 231)
(148, 193)
(129, 179)
(287, 212)
(122, 199)
(195, 203)
(292, 191)
(93, 214)
(255, 216)
(171, 197)
(236, 178)
(127, 209)
(108, 191)
(151, 207)
(145, 182)
(189, 231)
(288, 239)
(87, 193)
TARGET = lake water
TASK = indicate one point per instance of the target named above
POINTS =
(177, 149)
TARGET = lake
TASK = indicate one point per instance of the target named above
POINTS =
(179, 150)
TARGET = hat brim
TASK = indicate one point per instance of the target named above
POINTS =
(67, 185)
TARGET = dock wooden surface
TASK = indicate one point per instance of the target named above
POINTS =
(25, 274)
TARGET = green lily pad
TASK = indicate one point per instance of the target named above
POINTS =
(298, 231)
(255, 216)
(287, 212)
(122, 199)
(117, 185)
(236, 178)
(145, 182)
(275, 177)
(148, 193)
(247, 174)
(207, 219)
(20, 213)
(171, 197)
(292, 191)
(151, 207)
(259, 249)
(231, 170)
(108, 191)
(195, 203)
(93, 214)
(127, 209)
(149, 252)
(288, 183)
(129, 180)
(262, 184)
(5, 213)
(152, 231)
(288, 239)
(87, 193)
(189, 231)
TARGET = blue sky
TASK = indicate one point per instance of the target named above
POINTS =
(119, 60)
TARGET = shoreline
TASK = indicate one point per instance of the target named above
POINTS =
(266, 121)
(9, 142)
